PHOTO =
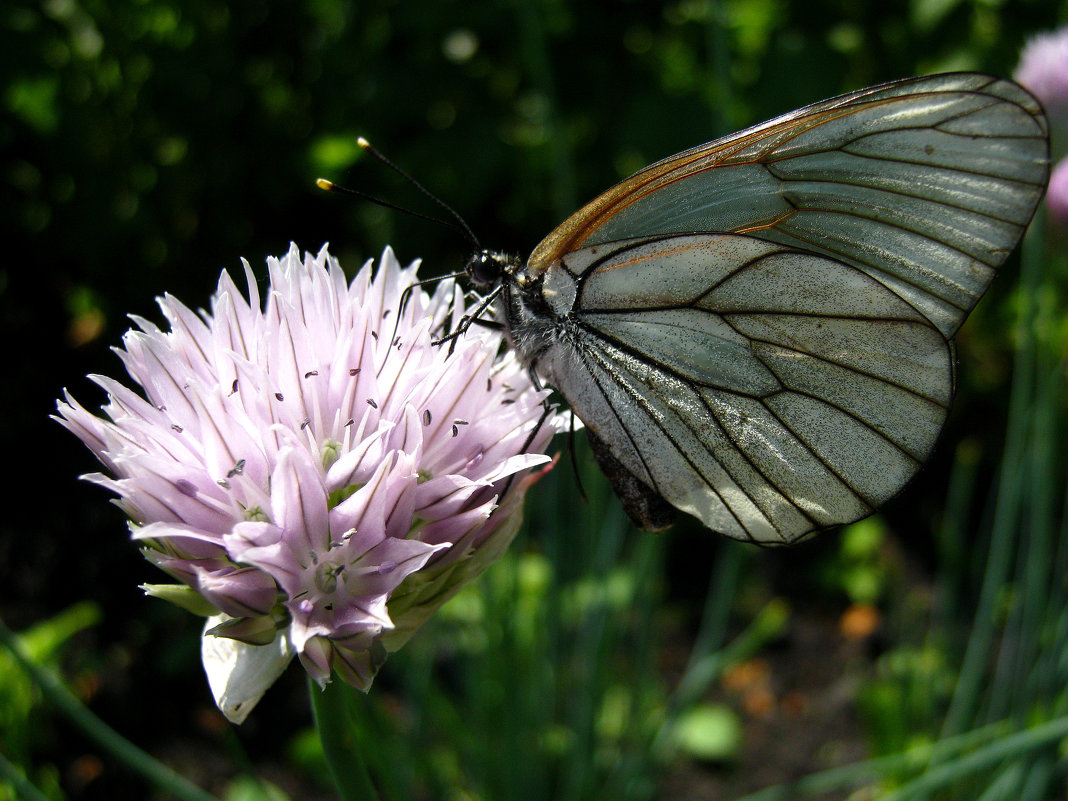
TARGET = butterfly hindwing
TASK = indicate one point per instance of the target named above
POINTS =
(766, 414)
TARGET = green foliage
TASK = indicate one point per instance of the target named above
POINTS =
(1008, 669)
(910, 690)
(22, 731)
(711, 732)
(861, 567)
(246, 788)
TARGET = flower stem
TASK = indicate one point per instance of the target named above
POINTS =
(97, 730)
(22, 786)
(337, 734)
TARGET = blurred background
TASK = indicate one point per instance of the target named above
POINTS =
(147, 145)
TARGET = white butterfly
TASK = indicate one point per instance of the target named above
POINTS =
(758, 331)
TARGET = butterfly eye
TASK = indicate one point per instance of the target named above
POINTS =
(485, 268)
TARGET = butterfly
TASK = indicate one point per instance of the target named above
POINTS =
(758, 331)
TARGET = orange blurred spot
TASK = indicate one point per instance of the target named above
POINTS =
(210, 719)
(859, 621)
(759, 702)
(751, 680)
(86, 686)
(86, 327)
(746, 675)
(86, 769)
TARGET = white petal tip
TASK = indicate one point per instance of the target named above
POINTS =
(239, 674)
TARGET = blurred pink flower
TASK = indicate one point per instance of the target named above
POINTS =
(318, 472)
(1057, 194)
(1043, 69)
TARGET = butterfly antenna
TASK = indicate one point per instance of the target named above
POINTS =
(330, 186)
(463, 227)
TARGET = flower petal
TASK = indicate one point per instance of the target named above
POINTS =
(298, 499)
(240, 674)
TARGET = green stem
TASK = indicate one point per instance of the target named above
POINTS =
(96, 730)
(706, 658)
(991, 744)
(337, 734)
(1004, 536)
(23, 788)
(949, 773)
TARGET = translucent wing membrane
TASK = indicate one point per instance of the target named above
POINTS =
(925, 185)
(766, 391)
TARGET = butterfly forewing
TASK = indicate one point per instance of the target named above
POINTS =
(925, 184)
(758, 330)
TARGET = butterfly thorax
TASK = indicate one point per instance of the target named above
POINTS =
(529, 321)
(539, 313)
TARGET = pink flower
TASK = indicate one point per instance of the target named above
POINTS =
(1043, 69)
(318, 473)
(1057, 194)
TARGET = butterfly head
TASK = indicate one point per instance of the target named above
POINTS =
(488, 268)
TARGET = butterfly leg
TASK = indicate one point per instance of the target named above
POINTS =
(547, 411)
(469, 319)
